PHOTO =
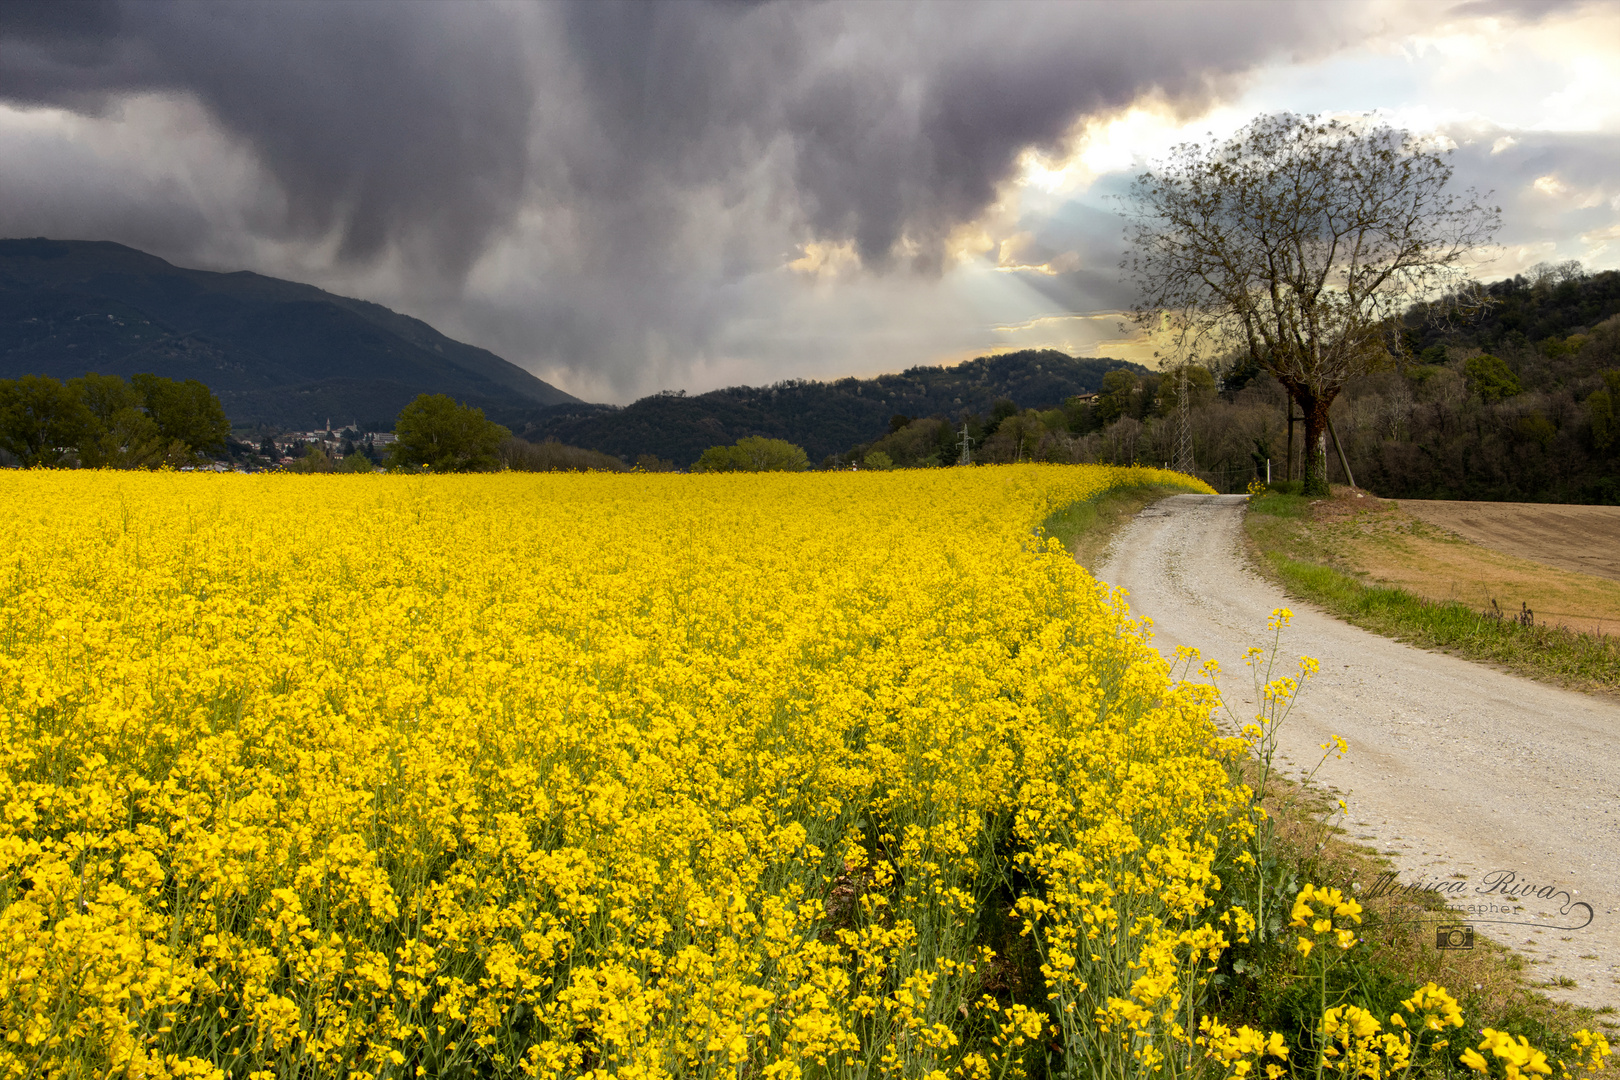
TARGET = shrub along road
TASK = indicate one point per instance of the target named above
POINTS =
(1454, 768)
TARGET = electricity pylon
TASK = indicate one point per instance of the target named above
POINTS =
(967, 451)
(1184, 452)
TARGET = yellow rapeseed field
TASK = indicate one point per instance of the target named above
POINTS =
(560, 775)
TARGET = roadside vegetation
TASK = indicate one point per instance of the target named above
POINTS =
(1268, 985)
(1265, 983)
(1323, 551)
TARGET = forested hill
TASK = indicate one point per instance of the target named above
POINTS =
(824, 417)
(276, 352)
(1519, 402)
(1526, 312)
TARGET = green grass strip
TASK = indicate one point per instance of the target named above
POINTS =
(1554, 653)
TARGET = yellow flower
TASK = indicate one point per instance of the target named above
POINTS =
(546, 774)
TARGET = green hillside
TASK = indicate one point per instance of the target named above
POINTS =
(276, 352)
(823, 417)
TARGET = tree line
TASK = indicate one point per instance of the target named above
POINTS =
(1519, 401)
(1514, 396)
(437, 434)
(1081, 430)
(1518, 405)
(824, 418)
(103, 421)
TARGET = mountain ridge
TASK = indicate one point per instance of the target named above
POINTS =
(278, 353)
(289, 356)
(826, 418)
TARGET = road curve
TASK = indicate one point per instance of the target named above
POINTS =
(1454, 768)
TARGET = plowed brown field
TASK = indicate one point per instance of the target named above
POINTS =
(1585, 539)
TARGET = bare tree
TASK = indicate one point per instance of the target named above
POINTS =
(1299, 241)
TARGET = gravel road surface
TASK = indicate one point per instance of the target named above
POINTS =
(1454, 768)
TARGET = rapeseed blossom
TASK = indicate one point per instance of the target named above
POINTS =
(556, 776)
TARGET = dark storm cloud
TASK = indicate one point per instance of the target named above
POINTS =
(59, 24)
(376, 120)
(634, 167)
(901, 119)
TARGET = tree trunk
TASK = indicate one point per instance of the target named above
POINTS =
(1313, 455)
(1315, 470)
(1344, 462)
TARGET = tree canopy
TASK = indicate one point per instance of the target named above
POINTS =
(754, 453)
(184, 412)
(122, 434)
(109, 423)
(1299, 242)
(435, 432)
(40, 419)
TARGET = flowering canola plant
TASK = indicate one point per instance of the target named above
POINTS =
(590, 775)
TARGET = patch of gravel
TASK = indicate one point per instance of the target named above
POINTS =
(1454, 768)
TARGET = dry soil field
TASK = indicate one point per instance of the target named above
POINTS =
(1562, 562)
(1585, 539)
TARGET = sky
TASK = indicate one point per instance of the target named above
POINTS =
(628, 198)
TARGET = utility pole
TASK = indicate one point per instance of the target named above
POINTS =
(967, 452)
(1289, 472)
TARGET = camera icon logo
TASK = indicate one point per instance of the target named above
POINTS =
(1454, 936)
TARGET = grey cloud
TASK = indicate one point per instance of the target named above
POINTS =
(902, 119)
(63, 190)
(60, 26)
(1585, 164)
(376, 120)
(1531, 11)
(640, 172)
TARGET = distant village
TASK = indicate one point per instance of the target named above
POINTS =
(290, 449)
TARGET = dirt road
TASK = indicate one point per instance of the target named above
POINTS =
(1585, 539)
(1454, 768)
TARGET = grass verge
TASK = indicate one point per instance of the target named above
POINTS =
(1267, 985)
(1309, 553)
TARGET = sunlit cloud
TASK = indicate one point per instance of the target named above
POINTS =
(1550, 185)
(826, 261)
(1110, 317)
